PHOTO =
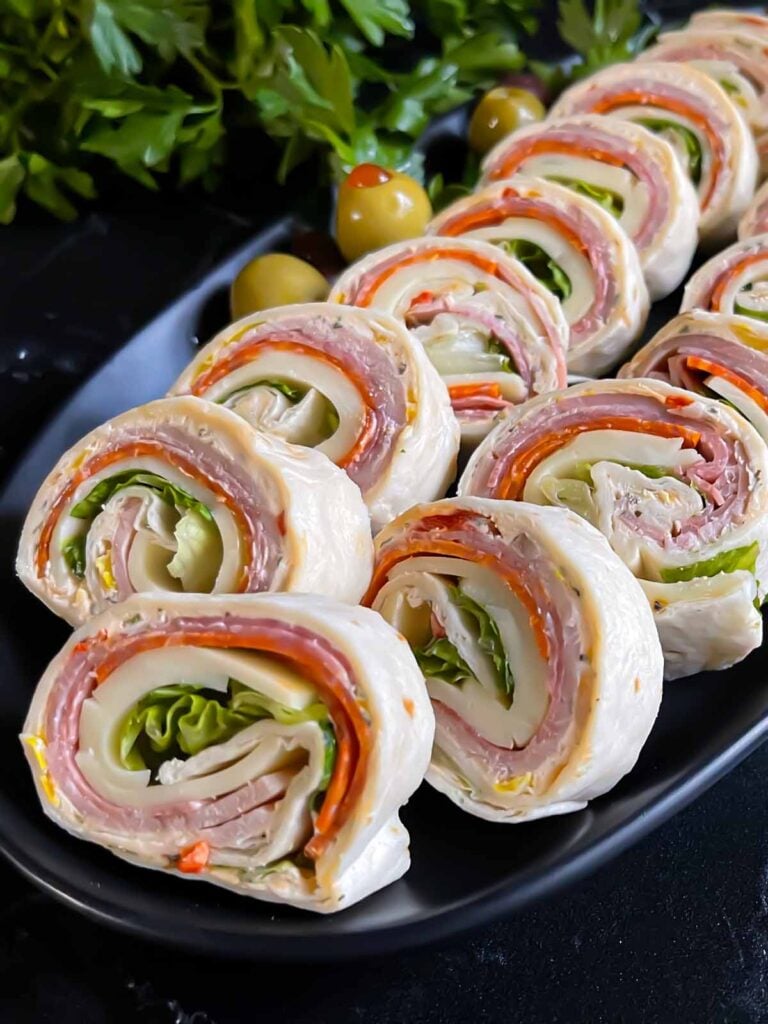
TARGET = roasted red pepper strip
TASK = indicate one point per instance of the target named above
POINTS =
(718, 370)
(193, 859)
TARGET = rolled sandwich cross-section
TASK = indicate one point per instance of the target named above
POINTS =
(183, 495)
(690, 110)
(494, 333)
(734, 281)
(736, 60)
(351, 383)
(247, 740)
(625, 168)
(537, 645)
(713, 354)
(755, 220)
(739, 25)
(678, 483)
(575, 247)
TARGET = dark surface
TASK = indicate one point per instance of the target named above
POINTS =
(674, 930)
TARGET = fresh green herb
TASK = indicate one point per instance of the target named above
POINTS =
(614, 31)
(609, 200)
(73, 551)
(181, 720)
(497, 349)
(727, 561)
(329, 736)
(178, 498)
(440, 659)
(688, 138)
(442, 193)
(541, 265)
(156, 88)
(489, 641)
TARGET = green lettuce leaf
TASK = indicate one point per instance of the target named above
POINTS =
(73, 551)
(583, 470)
(292, 391)
(609, 200)
(755, 314)
(489, 641)
(727, 561)
(540, 265)
(440, 659)
(172, 495)
(198, 553)
(181, 720)
(686, 136)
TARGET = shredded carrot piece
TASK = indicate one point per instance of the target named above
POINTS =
(487, 389)
(193, 859)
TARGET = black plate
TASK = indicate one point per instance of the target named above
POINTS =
(465, 871)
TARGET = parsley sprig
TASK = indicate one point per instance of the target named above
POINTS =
(156, 87)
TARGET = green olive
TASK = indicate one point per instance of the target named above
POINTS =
(501, 111)
(275, 279)
(376, 207)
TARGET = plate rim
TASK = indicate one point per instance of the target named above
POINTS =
(503, 900)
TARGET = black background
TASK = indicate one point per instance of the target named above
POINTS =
(674, 930)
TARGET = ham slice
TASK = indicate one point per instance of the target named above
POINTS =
(551, 585)
(298, 806)
(671, 478)
(269, 516)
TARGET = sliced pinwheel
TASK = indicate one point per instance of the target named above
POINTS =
(494, 333)
(736, 59)
(712, 354)
(695, 114)
(537, 646)
(677, 482)
(575, 247)
(245, 740)
(734, 281)
(183, 495)
(628, 170)
(351, 383)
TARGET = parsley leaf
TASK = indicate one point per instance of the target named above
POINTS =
(612, 32)
(157, 88)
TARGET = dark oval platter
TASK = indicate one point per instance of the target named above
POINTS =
(465, 871)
